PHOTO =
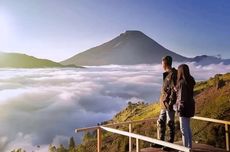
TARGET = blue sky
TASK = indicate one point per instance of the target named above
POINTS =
(58, 29)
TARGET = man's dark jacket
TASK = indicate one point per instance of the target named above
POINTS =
(168, 93)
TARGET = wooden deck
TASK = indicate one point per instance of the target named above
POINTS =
(196, 148)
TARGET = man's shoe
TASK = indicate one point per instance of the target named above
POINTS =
(167, 149)
(155, 145)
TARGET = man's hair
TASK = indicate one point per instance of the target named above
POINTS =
(168, 60)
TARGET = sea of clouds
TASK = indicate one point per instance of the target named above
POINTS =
(44, 106)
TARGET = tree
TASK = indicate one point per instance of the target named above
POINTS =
(18, 150)
(52, 148)
(71, 145)
(61, 148)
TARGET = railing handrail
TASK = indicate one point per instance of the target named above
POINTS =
(148, 139)
(211, 120)
(113, 124)
(146, 120)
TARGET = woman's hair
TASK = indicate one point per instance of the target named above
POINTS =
(183, 73)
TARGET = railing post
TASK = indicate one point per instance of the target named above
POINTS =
(227, 137)
(99, 141)
(130, 138)
(137, 145)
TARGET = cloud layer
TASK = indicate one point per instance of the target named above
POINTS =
(43, 106)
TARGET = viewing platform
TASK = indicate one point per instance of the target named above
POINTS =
(196, 148)
(177, 146)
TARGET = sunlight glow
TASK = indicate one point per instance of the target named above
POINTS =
(5, 28)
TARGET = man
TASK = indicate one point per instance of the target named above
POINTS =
(167, 100)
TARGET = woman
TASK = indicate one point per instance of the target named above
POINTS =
(185, 102)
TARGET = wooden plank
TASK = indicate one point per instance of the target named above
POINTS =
(211, 120)
(130, 138)
(113, 125)
(146, 120)
(99, 140)
(138, 145)
(227, 137)
(86, 129)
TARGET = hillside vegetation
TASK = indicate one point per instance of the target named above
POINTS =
(17, 60)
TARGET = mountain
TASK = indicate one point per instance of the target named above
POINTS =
(206, 60)
(131, 47)
(212, 100)
(17, 60)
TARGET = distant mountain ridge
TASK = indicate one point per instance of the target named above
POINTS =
(129, 48)
(206, 60)
(17, 60)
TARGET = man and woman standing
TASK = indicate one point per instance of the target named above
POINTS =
(176, 95)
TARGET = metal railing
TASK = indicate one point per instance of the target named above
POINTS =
(144, 138)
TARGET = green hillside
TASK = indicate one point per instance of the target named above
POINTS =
(212, 100)
(17, 60)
